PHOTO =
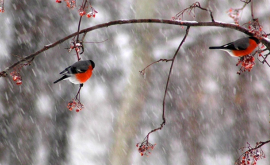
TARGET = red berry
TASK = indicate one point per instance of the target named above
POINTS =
(19, 82)
(77, 110)
(82, 13)
(15, 78)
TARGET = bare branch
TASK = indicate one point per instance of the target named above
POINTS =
(145, 145)
(252, 11)
(260, 144)
(195, 5)
(264, 59)
(121, 22)
(246, 2)
(97, 42)
(79, 25)
(143, 71)
(167, 84)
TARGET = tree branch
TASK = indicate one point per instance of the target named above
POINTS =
(167, 84)
(121, 22)
(252, 154)
(260, 144)
(143, 71)
(251, 10)
(145, 145)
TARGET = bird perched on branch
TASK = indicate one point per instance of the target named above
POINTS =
(78, 73)
(240, 47)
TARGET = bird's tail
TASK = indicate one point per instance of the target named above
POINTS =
(216, 47)
(62, 78)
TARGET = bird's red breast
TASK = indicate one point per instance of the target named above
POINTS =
(83, 77)
(251, 47)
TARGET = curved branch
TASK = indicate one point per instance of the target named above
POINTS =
(166, 87)
(121, 22)
(260, 144)
(143, 71)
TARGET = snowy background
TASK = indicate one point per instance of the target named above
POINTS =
(211, 111)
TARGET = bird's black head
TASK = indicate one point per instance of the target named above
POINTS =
(255, 39)
(92, 64)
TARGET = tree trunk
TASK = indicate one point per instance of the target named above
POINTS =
(135, 92)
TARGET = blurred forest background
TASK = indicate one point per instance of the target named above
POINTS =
(211, 111)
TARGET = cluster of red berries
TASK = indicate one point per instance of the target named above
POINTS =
(16, 77)
(144, 147)
(75, 45)
(234, 14)
(247, 161)
(91, 13)
(251, 157)
(256, 28)
(86, 10)
(70, 3)
(75, 104)
(247, 63)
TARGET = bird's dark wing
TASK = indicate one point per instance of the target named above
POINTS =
(241, 44)
(229, 46)
(74, 69)
(79, 67)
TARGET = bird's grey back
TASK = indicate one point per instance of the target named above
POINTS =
(241, 44)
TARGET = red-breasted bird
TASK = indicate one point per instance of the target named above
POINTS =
(78, 73)
(240, 47)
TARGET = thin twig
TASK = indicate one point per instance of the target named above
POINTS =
(205, 9)
(246, 2)
(195, 5)
(78, 34)
(78, 93)
(79, 25)
(260, 144)
(166, 60)
(264, 59)
(251, 8)
(167, 84)
(84, 34)
(97, 42)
